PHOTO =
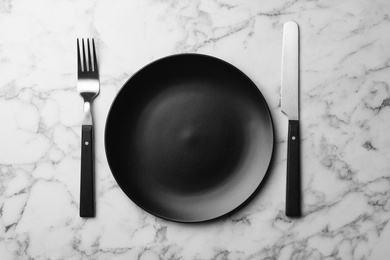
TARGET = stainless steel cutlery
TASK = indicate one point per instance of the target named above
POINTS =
(290, 107)
(88, 87)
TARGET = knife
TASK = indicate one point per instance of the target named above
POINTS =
(290, 107)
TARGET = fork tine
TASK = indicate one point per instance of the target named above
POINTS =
(95, 65)
(79, 68)
(89, 57)
(84, 59)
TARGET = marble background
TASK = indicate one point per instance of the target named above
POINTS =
(345, 122)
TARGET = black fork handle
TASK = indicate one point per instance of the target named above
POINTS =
(87, 185)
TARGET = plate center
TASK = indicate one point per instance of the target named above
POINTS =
(192, 140)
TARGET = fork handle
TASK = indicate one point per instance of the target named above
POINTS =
(87, 187)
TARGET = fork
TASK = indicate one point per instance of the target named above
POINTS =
(88, 87)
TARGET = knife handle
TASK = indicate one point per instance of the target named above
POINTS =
(293, 191)
(87, 187)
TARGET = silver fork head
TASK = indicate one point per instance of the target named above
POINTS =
(87, 72)
(83, 67)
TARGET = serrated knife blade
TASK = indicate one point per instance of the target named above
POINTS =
(290, 107)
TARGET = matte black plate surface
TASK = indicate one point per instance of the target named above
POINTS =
(189, 138)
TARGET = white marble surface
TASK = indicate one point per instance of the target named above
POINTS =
(345, 115)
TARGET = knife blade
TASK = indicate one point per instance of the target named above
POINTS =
(290, 107)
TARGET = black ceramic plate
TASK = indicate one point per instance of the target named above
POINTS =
(189, 138)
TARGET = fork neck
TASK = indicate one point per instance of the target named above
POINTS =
(87, 120)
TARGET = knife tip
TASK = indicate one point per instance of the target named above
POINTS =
(290, 24)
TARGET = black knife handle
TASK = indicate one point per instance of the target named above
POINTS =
(87, 185)
(293, 191)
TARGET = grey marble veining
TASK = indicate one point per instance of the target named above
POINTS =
(345, 121)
